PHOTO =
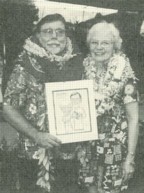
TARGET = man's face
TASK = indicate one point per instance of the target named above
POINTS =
(52, 37)
(76, 99)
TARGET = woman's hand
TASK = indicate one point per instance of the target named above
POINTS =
(128, 169)
(46, 140)
(133, 133)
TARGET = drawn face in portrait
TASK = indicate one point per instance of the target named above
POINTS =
(52, 37)
(101, 44)
(75, 99)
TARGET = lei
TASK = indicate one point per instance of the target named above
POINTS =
(35, 49)
(111, 82)
(45, 175)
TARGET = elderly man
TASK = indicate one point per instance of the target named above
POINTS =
(48, 56)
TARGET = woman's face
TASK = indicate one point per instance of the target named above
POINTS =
(52, 37)
(101, 45)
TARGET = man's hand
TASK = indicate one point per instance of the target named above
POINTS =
(46, 140)
(18, 121)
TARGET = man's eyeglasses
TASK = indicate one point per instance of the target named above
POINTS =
(50, 32)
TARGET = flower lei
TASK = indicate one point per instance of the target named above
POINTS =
(45, 175)
(46, 170)
(118, 70)
(33, 48)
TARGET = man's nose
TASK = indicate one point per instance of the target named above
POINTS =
(54, 35)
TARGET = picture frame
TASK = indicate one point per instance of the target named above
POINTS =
(71, 110)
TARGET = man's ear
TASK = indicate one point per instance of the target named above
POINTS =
(38, 38)
(37, 35)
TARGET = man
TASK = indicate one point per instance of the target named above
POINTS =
(48, 56)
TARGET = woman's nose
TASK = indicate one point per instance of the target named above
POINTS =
(99, 45)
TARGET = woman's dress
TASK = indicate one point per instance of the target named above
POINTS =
(101, 161)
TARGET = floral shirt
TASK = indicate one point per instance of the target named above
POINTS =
(26, 91)
(33, 68)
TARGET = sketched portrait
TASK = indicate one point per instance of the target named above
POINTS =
(71, 108)
(72, 111)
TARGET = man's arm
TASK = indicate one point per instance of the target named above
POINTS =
(17, 120)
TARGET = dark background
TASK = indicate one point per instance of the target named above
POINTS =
(16, 24)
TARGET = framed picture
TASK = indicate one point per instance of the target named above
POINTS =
(71, 110)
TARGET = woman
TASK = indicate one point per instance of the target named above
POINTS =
(108, 164)
(48, 56)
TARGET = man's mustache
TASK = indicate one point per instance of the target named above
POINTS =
(54, 41)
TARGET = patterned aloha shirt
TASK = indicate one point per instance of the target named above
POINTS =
(26, 92)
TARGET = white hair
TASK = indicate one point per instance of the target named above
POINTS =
(104, 27)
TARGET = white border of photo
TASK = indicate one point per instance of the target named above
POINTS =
(90, 132)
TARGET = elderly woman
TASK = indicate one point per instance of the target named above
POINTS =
(108, 163)
(48, 56)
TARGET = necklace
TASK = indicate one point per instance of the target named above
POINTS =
(97, 74)
(107, 84)
(34, 49)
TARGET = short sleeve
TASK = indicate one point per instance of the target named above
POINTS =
(15, 94)
(129, 82)
(130, 91)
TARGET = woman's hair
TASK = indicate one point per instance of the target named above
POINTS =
(48, 19)
(110, 27)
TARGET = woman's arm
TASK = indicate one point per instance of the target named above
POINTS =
(133, 129)
(133, 132)
(17, 120)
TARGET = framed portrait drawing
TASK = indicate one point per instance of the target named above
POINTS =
(71, 110)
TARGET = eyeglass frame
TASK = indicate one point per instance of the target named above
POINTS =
(57, 32)
(104, 44)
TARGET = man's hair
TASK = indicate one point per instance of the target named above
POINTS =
(75, 93)
(105, 26)
(48, 19)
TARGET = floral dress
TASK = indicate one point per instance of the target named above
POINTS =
(101, 160)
